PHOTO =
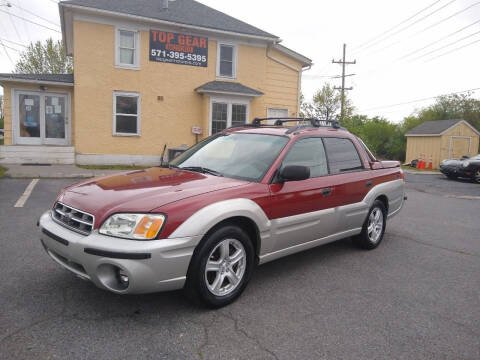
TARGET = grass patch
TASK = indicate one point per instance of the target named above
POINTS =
(2, 171)
(112, 167)
(404, 167)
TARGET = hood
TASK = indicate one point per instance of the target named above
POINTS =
(450, 162)
(140, 191)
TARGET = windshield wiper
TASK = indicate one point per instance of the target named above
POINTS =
(201, 169)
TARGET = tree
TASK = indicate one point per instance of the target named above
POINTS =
(454, 106)
(46, 58)
(326, 104)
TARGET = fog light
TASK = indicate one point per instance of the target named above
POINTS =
(122, 278)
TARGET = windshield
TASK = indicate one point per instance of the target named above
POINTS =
(476, 157)
(240, 156)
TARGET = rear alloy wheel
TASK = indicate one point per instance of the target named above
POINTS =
(373, 228)
(221, 266)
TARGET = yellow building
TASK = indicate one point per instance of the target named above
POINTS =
(442, 139)
(147, 73)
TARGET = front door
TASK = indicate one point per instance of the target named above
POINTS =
(304, 210)
(41, 118)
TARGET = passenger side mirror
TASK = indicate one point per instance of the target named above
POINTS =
(294, 173)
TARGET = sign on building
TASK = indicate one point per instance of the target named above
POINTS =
(177, 48)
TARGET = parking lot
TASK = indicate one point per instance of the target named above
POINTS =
(415, 297)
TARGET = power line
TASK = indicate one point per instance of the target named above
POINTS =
(13, 42)
(6, 52)
(453, 50)
(408, 26)
(13, 24)
(11, 48)
(443, 47)
(437, 41)
(38, 16)
(30, 21)
(397, 25)
(418, 100)
(425, 29)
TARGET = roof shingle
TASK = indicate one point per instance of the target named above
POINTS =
(434, 127)
(188, 12)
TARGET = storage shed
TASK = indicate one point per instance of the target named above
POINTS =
(442, 139)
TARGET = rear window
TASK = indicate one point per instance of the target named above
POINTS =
(342, 155)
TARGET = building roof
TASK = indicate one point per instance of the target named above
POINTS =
(39, 78)
(228, 87)
(188, 12)
(436, 127)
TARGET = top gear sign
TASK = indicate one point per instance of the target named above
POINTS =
(177, 48)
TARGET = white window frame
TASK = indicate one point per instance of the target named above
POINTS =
(114, 120)
(234, 60)
(229, 102)
(136, 55)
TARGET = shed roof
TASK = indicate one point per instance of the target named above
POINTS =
(227, 87)
(188, 12)
(39, 78)
(436, 127)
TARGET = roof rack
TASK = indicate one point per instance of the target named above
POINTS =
(257, 122)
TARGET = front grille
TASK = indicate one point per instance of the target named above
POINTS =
(73, 219)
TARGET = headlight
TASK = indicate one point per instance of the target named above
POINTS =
(465, 163)
(133, 226)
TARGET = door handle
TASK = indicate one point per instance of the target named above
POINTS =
(368, 184)
(326, 192)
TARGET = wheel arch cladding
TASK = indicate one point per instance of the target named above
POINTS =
(243, 212)
(246, 224)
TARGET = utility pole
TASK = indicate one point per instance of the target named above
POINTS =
(343, 88)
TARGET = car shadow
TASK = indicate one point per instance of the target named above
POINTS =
(84, 300)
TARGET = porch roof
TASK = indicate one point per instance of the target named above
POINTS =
(61, 79)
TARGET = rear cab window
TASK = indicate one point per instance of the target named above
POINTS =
(342, 155)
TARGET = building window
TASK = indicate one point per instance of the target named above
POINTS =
(127, 44)
(226, 114)
(226, 61)
(126, 114)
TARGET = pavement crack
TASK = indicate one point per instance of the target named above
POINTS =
(462, 252)
(247, 335)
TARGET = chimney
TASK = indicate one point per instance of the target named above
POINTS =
(164, 4)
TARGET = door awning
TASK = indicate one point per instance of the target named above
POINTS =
(227, 88)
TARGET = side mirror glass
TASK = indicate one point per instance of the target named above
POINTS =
(294, 173)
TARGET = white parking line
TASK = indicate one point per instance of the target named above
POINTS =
(21, 201)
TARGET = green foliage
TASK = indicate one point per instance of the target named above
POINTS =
(454, 106)
(384, 139)
(325, 104)
(46, 58)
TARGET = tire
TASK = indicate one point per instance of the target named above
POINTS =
(370, 238)
(476, 176)
(230, 255)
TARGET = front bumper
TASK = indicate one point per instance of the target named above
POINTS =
(457, 171)
(151, 266)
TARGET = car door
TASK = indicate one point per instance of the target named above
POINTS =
(353, 180)
(303, 210)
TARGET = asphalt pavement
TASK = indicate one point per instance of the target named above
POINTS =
(417, 296)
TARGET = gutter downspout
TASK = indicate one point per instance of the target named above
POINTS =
(294, 69)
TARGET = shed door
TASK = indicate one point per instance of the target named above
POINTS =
(459, 146)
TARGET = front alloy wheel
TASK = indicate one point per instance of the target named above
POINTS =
(225, 267)
(221, 266)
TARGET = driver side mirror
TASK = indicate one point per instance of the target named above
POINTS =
(294, 173)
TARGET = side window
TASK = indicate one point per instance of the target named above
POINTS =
(308, 152)
(342, 155)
